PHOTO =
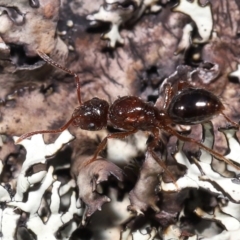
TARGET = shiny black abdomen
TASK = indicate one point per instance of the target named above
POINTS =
(193, 106)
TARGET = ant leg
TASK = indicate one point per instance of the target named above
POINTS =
(65, 126)
(170, 91)
(103, 143)
(198, 165)
(229, 120)
(168, 96)
(151, 148)
(212, 152)
(183, 85)
(50, 61)
(163, 165)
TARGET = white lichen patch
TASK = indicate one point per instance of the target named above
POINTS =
(112, 11)
(200, 175)
(105, 224)
(229, 222)
(34, 198)
(134, 145)
(236, 74)
(202, 17)
(43, 228)
(37, 151)
(222, 215)
(8, 223)
(185, 41)
(172, 232)
(225, 235)
(56, 220)
(3, 46)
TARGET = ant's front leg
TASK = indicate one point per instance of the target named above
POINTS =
(103, 143)
(168, 94)
(172, 90)
(181, 85)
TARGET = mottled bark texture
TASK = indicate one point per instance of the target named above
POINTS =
(35, 96)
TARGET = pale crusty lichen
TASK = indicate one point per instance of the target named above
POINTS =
(37, 151)
(112, 11)
(201, 16)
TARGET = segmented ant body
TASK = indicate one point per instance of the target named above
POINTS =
(185, 105)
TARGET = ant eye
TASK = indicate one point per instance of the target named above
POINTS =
(91, 126)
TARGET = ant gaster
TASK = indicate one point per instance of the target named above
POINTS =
(186, 106)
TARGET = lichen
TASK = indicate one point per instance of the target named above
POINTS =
(118, 15)
(37, 151)
(125, 194)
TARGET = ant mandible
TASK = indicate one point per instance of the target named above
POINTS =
(185, 105)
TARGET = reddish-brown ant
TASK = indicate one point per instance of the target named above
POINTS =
(129, 114)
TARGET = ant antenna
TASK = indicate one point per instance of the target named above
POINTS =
(57, 65)
(77, 79)
(61, 129)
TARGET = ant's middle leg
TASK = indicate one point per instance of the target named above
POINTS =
(151, 149)
(103, 143)
(50, 61)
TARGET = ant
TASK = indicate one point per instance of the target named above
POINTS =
(183, 105)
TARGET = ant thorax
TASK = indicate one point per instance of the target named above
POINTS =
(131, 113)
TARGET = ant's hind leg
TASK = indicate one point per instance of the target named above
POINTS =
(202, 146)
(229, 120)
(50, 61)
(103, 143)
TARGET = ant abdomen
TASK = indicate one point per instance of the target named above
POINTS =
(192, 106)
(130, 112)
(91, 115)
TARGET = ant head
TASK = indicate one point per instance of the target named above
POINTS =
(91, 115)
